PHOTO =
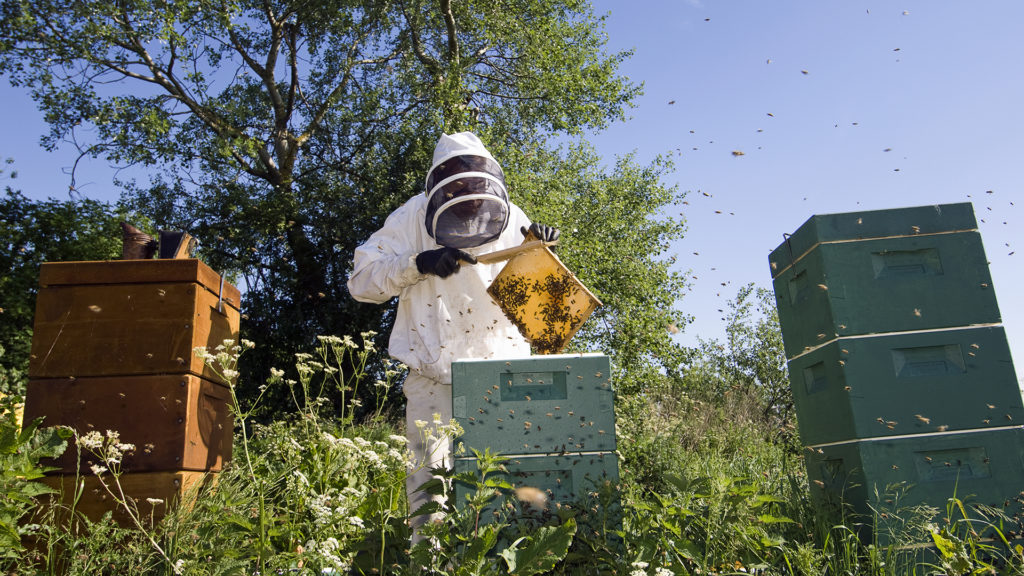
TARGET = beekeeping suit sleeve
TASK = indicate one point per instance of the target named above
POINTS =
(386, 263)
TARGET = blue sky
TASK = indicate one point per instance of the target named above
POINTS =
(836, 106)
(814, 93)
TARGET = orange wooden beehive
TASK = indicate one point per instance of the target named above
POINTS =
(125, 317)
(112, 349)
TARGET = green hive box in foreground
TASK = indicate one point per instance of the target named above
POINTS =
(552, 416)
(537, 405)
(561, 478)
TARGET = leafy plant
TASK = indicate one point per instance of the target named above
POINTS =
(471, 536)
(21, 449)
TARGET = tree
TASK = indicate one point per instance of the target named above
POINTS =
(31, 233)
(280, 133)
(752, 358)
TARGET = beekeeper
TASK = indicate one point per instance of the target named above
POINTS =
(426, 255)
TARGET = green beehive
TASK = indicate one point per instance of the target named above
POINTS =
(884, 285)
(908, 383)
(982, 467)
(559, 479)
(538, 405)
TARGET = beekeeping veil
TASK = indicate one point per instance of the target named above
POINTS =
(467, 204)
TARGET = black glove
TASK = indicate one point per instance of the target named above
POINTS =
(442, 262)
(541, 232)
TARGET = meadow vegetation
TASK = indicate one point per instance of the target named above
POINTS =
(712, 482)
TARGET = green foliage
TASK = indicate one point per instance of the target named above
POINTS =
(33, 232)
(475, 536)
(21, 450)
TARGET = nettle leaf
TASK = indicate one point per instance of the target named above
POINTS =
(541, 552)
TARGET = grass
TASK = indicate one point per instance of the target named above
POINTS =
(712, 482)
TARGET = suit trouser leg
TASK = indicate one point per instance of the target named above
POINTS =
(425, 398)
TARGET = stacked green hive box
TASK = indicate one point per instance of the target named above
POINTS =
(851, 286)
(980, 466)
(551, 416)
(896, 356)
(907, 383)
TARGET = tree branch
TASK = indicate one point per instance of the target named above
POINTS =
(453, 37)
(432, 65)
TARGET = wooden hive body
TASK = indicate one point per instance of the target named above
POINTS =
(112, 349)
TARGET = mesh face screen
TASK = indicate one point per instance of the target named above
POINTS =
(466, 210)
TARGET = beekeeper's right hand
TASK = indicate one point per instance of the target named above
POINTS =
(442, 262)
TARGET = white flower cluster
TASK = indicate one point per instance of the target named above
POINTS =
(109, 448)
(438, 429)
(224, 358)
(327, 550)
(360, 452)
(640, 569)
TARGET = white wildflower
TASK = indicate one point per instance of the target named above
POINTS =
(663, 572)
(399, 439)
(276, 374)
(91, 441)
(356, 521)
(154, 501)
(98, 470)
(230, 374)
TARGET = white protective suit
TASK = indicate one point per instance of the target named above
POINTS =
(438, 319)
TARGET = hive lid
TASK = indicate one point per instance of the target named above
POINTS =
(138, 272)
(543, 298)
(869, 224)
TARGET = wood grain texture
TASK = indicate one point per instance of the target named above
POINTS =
(176, 422)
